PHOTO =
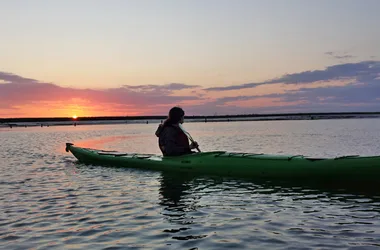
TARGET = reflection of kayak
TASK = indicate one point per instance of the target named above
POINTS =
(346, 168)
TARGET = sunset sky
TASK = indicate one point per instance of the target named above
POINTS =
(140, 57)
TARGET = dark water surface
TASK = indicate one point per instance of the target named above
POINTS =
(49, 201)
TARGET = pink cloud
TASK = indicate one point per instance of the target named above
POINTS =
(18, 94)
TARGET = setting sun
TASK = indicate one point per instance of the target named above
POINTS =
(75, 117)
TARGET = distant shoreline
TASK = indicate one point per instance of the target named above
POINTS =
(100, 118)
(62, 121)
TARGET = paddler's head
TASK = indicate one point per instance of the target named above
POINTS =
(176, 115)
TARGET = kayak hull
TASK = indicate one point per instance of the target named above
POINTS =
(348, 168)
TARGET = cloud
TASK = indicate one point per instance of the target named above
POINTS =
(19, 89)
(11, 78)
(366, 70)
(168, 88)
(19, 92)
(341, 87)
(340, 56)
(351, 97)
(354, 93)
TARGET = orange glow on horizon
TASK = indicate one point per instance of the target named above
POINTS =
(73, 111)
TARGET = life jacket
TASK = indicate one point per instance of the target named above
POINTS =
(182, 139)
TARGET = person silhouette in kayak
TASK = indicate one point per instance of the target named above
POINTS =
(171, 139)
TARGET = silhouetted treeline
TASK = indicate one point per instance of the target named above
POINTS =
(126, 118)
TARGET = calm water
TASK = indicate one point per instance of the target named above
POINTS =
(49, 201)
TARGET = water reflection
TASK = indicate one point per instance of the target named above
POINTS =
(221, 212)
(176, 196)
(197, 207)
(182, 194)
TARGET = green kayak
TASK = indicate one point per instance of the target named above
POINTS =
(346, 168)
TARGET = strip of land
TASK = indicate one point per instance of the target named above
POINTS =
(60, 121)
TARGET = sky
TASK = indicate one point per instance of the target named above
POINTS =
(141, 57)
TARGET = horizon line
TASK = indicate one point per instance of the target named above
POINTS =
(186, 116)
